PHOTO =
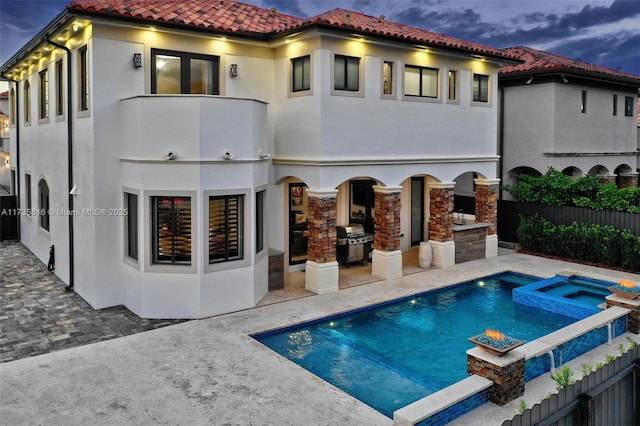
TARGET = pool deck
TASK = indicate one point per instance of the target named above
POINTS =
(211, 372)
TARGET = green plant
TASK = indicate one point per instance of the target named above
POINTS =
(610, 358)
(621, 348)
(633, 343)
(523, 406)
(556, 189)
(599, 365)
(586, 369)
(563, 378)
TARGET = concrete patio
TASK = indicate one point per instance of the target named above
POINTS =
(211, 371)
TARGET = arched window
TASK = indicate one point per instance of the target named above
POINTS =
(43, 196)
(27, 102)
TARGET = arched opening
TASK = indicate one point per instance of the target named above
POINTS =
(43, 204)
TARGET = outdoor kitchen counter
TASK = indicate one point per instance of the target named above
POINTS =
(470, 240)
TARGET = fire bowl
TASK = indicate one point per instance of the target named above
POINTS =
(495, 346)
(625, 292)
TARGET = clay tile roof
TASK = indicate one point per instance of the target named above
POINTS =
(4, 94)
(219, 15)
(364, 24)
(538, 61)
(240, 18)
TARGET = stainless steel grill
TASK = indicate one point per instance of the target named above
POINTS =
(353, 244)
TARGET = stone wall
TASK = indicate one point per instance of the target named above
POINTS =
(387, 223)
(441, 213)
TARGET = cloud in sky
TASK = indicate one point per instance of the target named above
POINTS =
(597, 31)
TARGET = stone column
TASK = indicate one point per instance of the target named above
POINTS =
(321, 273)
(387, 257)
(487, 211)
(633, 319)
(628, 180)
(441, 223)
(507, 372)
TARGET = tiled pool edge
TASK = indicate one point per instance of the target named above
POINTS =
(529, 295)
(446, 405)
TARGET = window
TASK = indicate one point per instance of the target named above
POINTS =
(171, 227)
(420, 81)
(12, 107)
(346, 73)
(583, 105)
(43, 195)
(83, 77)
(131, 224)
(183, 73)
(301, 76)
(43, 99)
(59, 89)
(27, 102)
(452, 86)
(628, 106)
(480, 88)
(27, 183)
(225, 228)
(260, 219)
(387, 78)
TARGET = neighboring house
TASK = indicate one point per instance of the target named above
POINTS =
(195, 137)
(5, 158)
(573, 116)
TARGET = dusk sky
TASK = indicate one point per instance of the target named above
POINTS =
(605, 33)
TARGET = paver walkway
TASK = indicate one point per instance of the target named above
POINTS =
(37, 316)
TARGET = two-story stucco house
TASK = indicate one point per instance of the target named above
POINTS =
(570, 115)
(165, 147)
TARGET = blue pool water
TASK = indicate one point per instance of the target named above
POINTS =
(393, 354)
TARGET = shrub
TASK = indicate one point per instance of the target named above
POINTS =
(556, 189)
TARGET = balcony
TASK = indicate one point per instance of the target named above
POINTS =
(197, 127)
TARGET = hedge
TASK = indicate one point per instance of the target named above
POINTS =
(582, 242)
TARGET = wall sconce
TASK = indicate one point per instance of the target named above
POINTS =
(233, 70)
(137, 60)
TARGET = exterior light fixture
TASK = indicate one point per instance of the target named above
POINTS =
(137, 60)
(233, 70)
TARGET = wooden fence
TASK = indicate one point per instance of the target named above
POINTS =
(608, 396)
(509, 217)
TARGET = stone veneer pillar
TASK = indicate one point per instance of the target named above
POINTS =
(628, 180)
(633, 319)
(487, 211)
(321, 272)
(441, 223)
(387, 257)
(507, 372)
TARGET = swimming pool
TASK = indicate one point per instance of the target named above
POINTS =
(393, 354)
(582, 289)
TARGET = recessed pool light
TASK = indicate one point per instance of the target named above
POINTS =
(331, 324)
(413, 302)
(481, 283)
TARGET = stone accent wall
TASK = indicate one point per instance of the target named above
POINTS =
(387, 220)
(508, 381)
(322, 229)
(470, 244)
(633, 319)
(487, 204)
(628, 180)
(441, 213)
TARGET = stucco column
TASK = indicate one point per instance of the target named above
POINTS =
(387, 257)
(628, 180)
(321, 272)
(441, 223)
(487, 211)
